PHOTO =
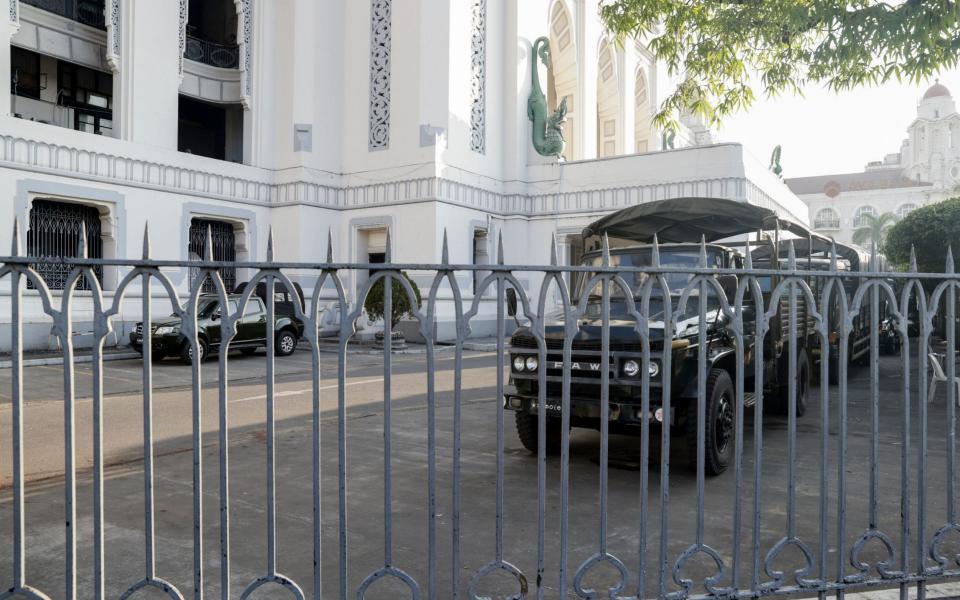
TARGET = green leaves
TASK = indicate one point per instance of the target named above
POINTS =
(401, 306)
(930, 230)
(715, 45)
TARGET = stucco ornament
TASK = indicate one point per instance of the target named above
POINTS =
(775, 167)
(547, 130)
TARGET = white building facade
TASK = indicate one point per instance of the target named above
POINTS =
(311, 116)
(925, 170)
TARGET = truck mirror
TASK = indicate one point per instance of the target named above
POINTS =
(511, 302)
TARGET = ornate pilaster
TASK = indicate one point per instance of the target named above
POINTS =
(112, 19)
(245, 40)
(478, 82)
(182, 48)
(380, 36)
(15, 14)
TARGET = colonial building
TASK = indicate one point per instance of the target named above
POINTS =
(354, 117)
(925, 170)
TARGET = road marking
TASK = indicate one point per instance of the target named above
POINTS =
(331, 386)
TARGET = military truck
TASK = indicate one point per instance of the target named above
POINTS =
(680, 225)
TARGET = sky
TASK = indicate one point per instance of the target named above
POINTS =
(824, 132)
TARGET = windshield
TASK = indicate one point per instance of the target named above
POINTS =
(208, 306)
(681, 258)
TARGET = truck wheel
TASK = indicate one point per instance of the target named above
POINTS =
(286, 343)
(186, 352)
(527, 432)
(720, 432)
(781, 400)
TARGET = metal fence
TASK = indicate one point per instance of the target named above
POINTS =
(225, 56)
(909, 547)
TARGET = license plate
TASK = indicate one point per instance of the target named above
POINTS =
(554, 409)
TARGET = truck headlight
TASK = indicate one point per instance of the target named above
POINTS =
(167, 330)
(518, 363)
(653, 368)
(532, 363)
(631, 368)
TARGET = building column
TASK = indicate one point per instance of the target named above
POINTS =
(628, 100)
(10, 25)
(588, 33)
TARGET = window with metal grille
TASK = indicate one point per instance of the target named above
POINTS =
(224, 249)
(54, 233)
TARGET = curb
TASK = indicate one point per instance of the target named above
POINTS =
(58, 360)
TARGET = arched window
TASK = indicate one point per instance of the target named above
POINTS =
(608, 101)
(826, 218)
(563, 77)
(863, 211)
(905, 209)
(641, 110)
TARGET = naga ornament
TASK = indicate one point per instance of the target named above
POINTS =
(547, 129)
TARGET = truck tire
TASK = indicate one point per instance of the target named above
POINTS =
(780, 404)
(720, 432)
(527, 432)
(285, 344)
(186, 351)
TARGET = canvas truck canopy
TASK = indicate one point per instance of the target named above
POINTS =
(688, 220)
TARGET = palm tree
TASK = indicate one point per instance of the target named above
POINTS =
(873, 230)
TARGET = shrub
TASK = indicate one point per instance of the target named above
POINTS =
(401, 303)
(930, 230)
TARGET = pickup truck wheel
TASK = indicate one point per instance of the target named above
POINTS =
(186, 353)
(286, 343)
(527, 431)
(720, 430)
(781, 400)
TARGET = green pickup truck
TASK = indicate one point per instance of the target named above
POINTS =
(251, 331)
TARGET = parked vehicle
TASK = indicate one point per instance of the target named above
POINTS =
(283, 299)
(680, 224)
(167, 339)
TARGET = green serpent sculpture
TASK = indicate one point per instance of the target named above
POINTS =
(547, 130)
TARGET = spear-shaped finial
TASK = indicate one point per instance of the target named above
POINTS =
(950, 258)
(388, 254)
(553, 250)
(329, 245)
(445, 250)
(208, 246)
(748, 258)
(15, 250)
(833, 254)
(146, 240)
(791, 256)
(655, 253)
(606, 250)
(703, 252)
(270, 244)
(500, 247)
(82, 244)
(913, 259)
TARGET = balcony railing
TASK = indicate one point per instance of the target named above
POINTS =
(225, 56)
(88, 12)
(826, 224)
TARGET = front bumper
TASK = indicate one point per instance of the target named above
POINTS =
(589, 408)
(166, 344)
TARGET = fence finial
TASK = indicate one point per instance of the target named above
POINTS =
(606, 250)
(655, 252)
(748, 256)
(445, 252)
(208, 246)
(703, 252)
(913, 259)
(949, 258)
(388, 254)
(553, 249)
(500, 247)
(329, 245)
(791, 256)
(82, 244)
(146, 240)
(270, 244)
(15, 250)
(833, 254)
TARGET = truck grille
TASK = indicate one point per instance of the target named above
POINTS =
(528, 342)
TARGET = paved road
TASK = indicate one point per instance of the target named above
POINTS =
(365, 481)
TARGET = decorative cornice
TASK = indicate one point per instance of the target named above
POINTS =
(112, 19)
(380, 41)
(78, 163)
(478, 82)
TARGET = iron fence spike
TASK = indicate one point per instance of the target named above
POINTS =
(146, 240)
(913, 259)
(553, 249)
(703, 252)
(270, 244)
(500, 247)
(606, 250)
(15, 250)
(208, 245)
(655, 255)
(329, 245)
(791, 255)
(82, 244)
(445, 252)
(388, 254)
(833, 254)
(748, 258)
(949, 258)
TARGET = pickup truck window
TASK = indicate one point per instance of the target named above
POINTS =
(253, 307)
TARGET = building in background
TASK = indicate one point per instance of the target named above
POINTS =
(925, 170)
(353, 117)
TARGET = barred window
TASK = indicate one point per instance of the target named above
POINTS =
(224, 249)
(54, 233)
(826, 218)
(860, 217)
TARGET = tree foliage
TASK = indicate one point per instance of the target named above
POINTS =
(873, 230)
(930, 230)
(717, 46)
(401, 307)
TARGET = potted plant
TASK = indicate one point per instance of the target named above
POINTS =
(374, 305)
